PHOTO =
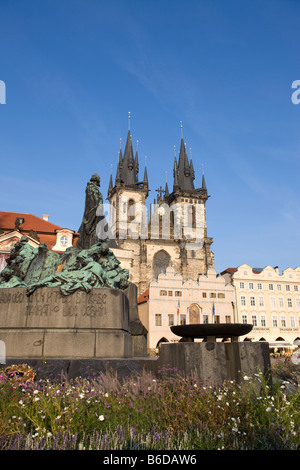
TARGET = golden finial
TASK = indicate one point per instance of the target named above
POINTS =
(129, 120)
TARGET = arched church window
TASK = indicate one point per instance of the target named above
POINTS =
(191, 216)
(161, 261)
(131, 209)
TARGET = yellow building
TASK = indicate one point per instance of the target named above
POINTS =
(171, 301)
(268, 300)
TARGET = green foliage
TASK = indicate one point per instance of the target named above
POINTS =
(146, 412)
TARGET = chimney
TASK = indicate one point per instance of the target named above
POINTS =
(46, 217)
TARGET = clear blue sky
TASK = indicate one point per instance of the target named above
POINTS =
(73, 70)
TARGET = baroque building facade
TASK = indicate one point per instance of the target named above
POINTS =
(268, 300)
(174, 233)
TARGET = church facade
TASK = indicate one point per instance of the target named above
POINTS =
(174, 233)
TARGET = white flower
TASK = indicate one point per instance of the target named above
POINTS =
(101, 418)
(246, 377)
(35, 392)
(268, 409)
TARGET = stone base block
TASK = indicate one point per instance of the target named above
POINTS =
(214, 362)
(66, 344)
(50, 325)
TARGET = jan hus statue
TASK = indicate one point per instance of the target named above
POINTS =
(93, 200)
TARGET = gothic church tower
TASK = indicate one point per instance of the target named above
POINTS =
(147, 245)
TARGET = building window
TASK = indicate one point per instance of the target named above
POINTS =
(171, 319)
(298, 304)
(217, 319)
(252, 301)
(283, 321)
(178, 293)
(170, 293)
(182, 319)
(254, 320)
(278, 286)
(292, 322)
(261, 301)
(281, 302)
(242, 285)
(243, 300)
(289, 302)
(244, 319)
(274, 322)
(221, 296)
(64, 241)
(271, 287)
(131, 209)
(227, 319)
(263, 321)
(163, 292)
(161, 261)
(251, 285)
(296, 288)
(158, 319)
(213, 295)
(272, 302)
(205, 318)
(259, 286)
(288, 288)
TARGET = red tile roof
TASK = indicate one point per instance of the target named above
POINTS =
(46, 231)
(31, 222)
(143, 297)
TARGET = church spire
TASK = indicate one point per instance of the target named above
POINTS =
(110, 180)
(203, 181)
(166, 187)
(185, 170)
(145, 181)
(128, 165)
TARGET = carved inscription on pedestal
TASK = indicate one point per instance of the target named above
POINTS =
(45, 303)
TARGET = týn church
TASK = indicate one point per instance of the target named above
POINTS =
(173, 233)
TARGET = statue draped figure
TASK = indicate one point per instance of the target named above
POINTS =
(93, 202)
(87, 265)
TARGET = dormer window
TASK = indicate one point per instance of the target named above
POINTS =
(64, 240)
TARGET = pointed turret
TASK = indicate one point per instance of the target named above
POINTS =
(203, 187)
(129, 169)
(110, 186)
(145, 181)
(128, 166)
(175, 174)
(185, 170)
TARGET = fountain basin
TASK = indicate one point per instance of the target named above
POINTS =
(211, 331)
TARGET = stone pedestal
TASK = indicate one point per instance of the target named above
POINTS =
(214, 362)
(50, 325)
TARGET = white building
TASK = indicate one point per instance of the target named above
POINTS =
(172, 301)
